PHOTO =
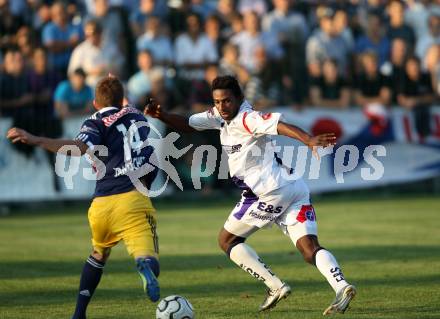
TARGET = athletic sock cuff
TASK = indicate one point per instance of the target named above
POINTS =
(237, 241)
(314, 254)
(92, 261)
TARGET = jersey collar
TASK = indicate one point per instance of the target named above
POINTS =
(106, 109)
(244, 107)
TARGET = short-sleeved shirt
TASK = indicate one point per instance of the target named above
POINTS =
(253, 163)
(200, 51)
(51, 33)
(11, 88)
(75, 100)
(161, 47)
(113, 128)
(404, 32)
(370, 87)
(329, 91)
(420, 87)
(382, 48)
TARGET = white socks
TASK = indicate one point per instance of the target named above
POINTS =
(245, 257)
(329, 268)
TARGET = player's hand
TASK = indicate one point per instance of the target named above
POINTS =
(153, 109)
(19, 135)
(322, 140)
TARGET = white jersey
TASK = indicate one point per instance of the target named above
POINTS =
(252, 159)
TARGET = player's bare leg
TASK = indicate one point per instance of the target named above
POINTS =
(246, 258)
(149, 270)
(326, 263)
(90, 277)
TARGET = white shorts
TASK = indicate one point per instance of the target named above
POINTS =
(288, 207)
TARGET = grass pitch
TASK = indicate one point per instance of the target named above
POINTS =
(389, 248)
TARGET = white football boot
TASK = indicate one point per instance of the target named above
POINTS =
(274, 296)
(342, 300)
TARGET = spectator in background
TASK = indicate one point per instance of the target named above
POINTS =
(42, 17)
(200, 97)
(340, 24)
(230, 64)
(95, 57)
(9, 25)
(257, 6)
(212, 30)
(156, 41)
(324, 44)
(112, 27)
(15, 94)
(26, 43)
(167, 97)
(177, 17)
(60, 37)
(194, 50)
(416, 15)
(73, 97)
(251, 38)
(292, 30)
(417, 95)
(330, 90)
(236, 26)
(370, 7)
(203, 8)
(431, 64)
(397, 27)
(23, 101)
(395, 68)
(263, 89)
(430, 38)
(371, 86)
(139, 84)
(287, 25)
(140, 17)
(43, 82)
(374, 39)
(43, 121)
(225, 12)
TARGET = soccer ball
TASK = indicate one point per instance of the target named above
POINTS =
(174, 307)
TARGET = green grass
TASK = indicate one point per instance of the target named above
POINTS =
(389, 248)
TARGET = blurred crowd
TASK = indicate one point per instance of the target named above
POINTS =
(284, 52)
(372, 54)
(336, 54)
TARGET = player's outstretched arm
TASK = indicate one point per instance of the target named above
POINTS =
(322, 140)
(17, 135)
(176, 121)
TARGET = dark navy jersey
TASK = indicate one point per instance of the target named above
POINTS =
(126, 144)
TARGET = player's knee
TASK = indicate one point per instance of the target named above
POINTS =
(227, 241)
(308, 246)
(308, 256)
(101, 257)
(222, 242)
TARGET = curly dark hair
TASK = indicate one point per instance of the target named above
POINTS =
(227, 82)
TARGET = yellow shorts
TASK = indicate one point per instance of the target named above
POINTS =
(128, 216)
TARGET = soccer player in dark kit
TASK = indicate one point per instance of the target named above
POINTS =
(118, 211)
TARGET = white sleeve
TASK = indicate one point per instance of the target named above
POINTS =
(205, 121)
(75, 60)
(257, 123)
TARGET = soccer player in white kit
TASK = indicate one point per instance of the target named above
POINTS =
(268, 197)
